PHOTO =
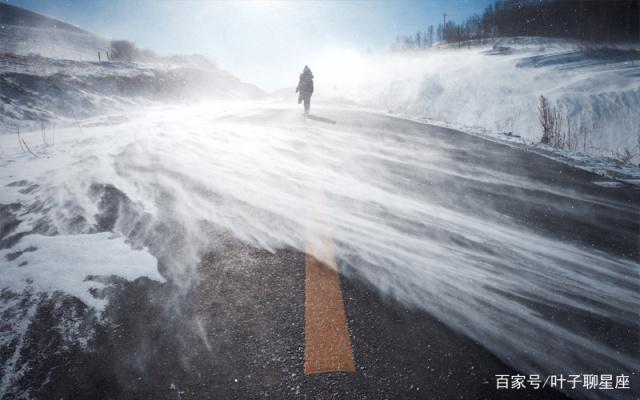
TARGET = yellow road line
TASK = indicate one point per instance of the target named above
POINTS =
(328, 345)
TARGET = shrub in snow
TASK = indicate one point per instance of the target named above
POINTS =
(549, 119)
(123, 50)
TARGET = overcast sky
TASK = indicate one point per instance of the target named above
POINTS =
(263, 42)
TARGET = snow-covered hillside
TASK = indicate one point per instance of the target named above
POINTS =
(34, 89)
(496, 86)
(50, 73)
(24, 32)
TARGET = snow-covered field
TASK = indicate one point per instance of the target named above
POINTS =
(496, 87)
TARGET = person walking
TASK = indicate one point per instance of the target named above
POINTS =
(305, 89)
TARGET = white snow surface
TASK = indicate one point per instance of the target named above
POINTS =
(64, 262)
(496, 87)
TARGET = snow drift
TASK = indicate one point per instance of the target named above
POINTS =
(497, 86)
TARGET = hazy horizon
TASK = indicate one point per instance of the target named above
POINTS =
(265, 43)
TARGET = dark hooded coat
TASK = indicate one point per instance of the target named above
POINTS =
(305, 86)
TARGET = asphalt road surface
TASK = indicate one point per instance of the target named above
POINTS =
(239, 332)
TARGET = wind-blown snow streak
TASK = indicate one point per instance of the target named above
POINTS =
(184, 176)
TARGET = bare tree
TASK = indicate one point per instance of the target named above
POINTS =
(549, 118)
(430, 35)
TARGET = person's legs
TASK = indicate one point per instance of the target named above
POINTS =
(307, 104)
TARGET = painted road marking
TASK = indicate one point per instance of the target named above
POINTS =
(327, 341)
(328, 345)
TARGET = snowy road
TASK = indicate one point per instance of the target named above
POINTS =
(461, 258)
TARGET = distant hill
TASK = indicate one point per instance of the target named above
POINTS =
(12, 15)
(49, 71)
(25, 32)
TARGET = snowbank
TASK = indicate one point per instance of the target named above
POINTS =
(497, 87)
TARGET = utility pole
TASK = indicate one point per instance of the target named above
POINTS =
(444, 25)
